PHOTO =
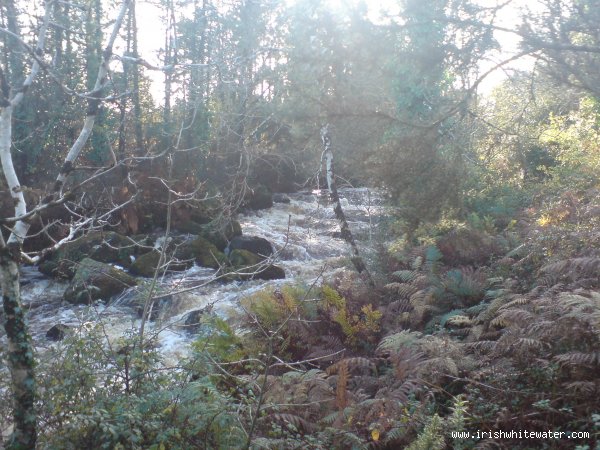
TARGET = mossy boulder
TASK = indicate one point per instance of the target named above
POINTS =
(271, 272)
(137, 298)
(254, 244)
(145, 265)
(241, 259)
(106, 247)
(94, 280)
(220, 233)
(203, 252)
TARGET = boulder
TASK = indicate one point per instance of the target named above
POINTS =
(271, 272)
(193, 319)
(146, 264)
(219, 233)
(241, 259)
(94, 280)
(244, 258)
(253, 244)
(106, 247)
(57, 332)
(259, 198)
(203, 252)
(281, 198)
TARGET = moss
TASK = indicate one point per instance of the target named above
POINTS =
(220, 234)
(95, 280)
(244, 258)
(205, 253)
(145, 265)
(106, 247)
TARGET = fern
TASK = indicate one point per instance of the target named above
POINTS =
(396, 341)
(405, 276)
(297, 422)
(351, 364)
(460, 321)
(572, 270)
(574, 359)
(449, 315)
(433, 258)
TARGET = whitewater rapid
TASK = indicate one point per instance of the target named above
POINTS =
(304, 233)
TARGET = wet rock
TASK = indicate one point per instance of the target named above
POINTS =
(259, 198)
(281, 198)
(106, 247)
(203, 252)
(193, 319)
(95, 280)
(57, 332)
(220, 233)
(244, 260)
(272, 272)
(146, 264)
(253, 244)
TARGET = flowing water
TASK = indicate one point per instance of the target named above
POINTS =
(304, 233)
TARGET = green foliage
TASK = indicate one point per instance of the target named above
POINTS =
(274, 307)
(432, 436)
(364, 324)
(219, 340)
(120, 396)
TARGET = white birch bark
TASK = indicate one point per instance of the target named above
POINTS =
(93, 103)
(327, 157)
(20, 354)
(20, 229)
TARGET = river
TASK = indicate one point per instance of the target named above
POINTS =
(304, 232)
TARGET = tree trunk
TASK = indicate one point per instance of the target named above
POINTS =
(135, 97)
(94, 100)
(20, 352)
(327, 158)
(20, 355)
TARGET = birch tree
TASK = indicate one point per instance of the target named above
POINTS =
(20, 351)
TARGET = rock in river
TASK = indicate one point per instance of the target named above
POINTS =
(94, 280)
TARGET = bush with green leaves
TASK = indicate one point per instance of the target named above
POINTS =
(118, 395)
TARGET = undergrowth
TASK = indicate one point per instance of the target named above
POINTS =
(476, 329)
